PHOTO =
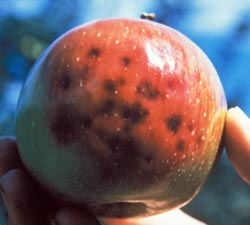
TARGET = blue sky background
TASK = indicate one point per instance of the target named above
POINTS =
(220, 28)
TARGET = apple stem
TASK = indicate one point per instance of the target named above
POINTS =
(148, 16)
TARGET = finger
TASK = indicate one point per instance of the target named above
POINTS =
(24, 201)
(9, 157)
(75, 216)
(172, 217)
(237, 141)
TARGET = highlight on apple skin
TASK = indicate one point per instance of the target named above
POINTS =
(122, 115)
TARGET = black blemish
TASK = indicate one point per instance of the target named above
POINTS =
(126, 151)
(120, 144)
(146, 90)
(63, 125)
(68, 124)
(199, 140)
(127, 127)
(134, 113)
(64, 81)
(121, 81)
(149, 159)
(190, 127)
(126, 61)
(130, 160)
(107, 106)
(94, 52)
(109, 86)
(100, 132)
(173, 123)
(86, 121)
(180, 145)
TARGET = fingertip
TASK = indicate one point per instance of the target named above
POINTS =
(7, 137)
(22, 199)
(75, 216)
(16, 189)
(10, 182)
(237, 118)
(172, 217)
(14, 199)
(237, 141)
(9, 157)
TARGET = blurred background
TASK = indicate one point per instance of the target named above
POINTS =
(220, 28)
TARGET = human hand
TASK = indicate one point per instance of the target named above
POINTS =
(28, 204)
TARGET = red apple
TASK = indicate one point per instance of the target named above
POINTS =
(124, 116)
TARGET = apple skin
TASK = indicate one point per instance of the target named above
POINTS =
(125, 116)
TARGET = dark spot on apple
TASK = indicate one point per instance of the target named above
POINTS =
(63, 125)
(68, 124)
(146, 90)
(149, 159)
(199, 140)
(125, 150)
(85, 121)
(173, 123)
(107, 106)
(180, 145)
(126, 61)
(94, 52)
(122, 145)
(109, 86)
(129, 161)
(100, 132)
(121, 81)
(127, 127)
(62, 81)
(190, 127)
(134, 113)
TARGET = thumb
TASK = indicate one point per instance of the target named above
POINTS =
(237, 141)
(172, 217)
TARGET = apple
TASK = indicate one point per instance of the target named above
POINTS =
(124, 116)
